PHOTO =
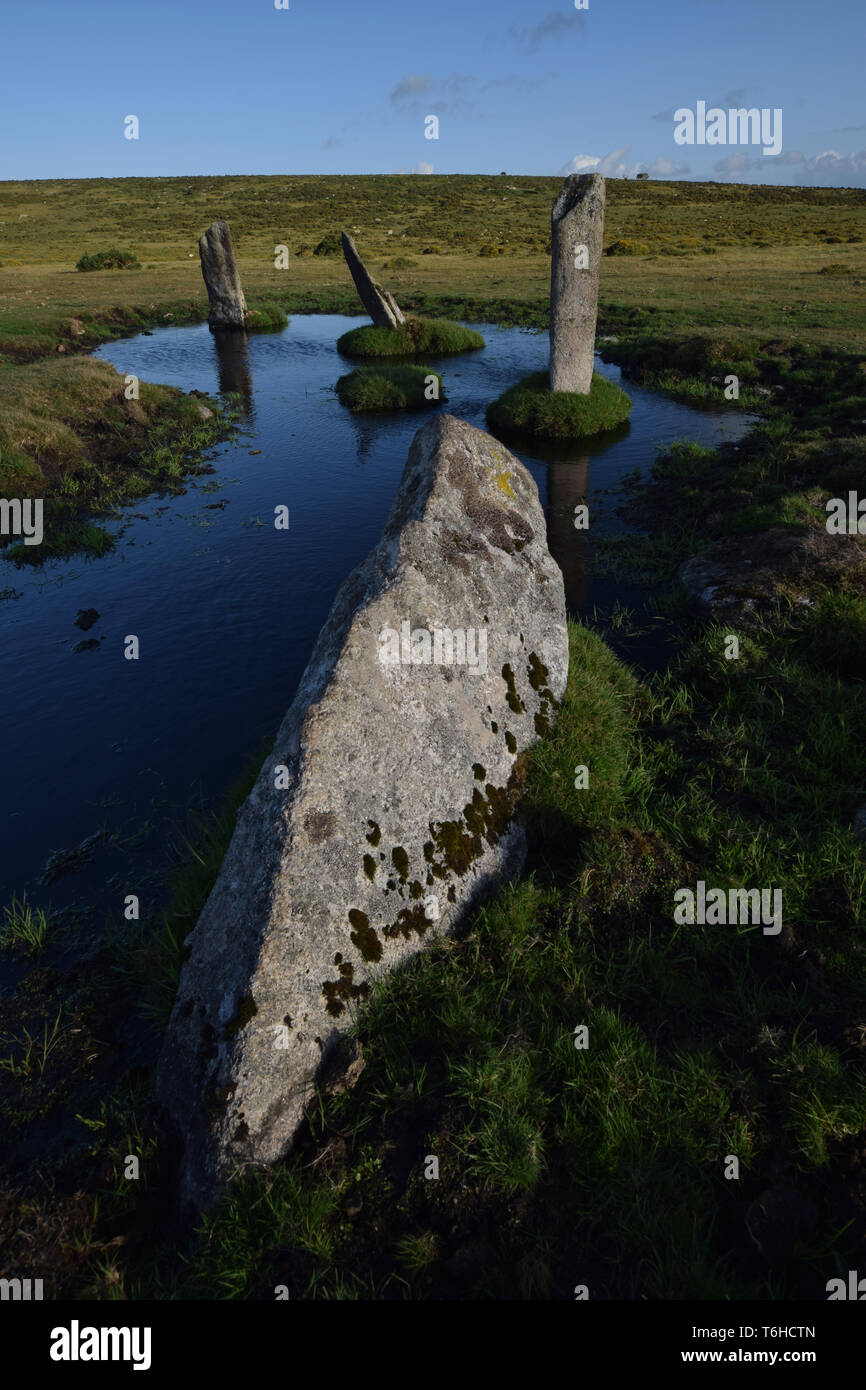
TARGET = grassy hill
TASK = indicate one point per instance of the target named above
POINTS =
(688, 256)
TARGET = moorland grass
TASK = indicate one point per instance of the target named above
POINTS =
(433, 336)
(531, 408)
(390, 388)
(557, 1166)
(24, 928)
(69, 435)
(703, 1041)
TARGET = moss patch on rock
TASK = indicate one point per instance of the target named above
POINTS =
(389, 388)
(416, 335)
(530, 407)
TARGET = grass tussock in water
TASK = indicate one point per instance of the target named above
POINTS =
(433, 336)
(264, 316)
(390, 388)
(531, 408)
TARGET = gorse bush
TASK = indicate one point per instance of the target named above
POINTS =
(109, 260)
(330, 245)
(624, 247)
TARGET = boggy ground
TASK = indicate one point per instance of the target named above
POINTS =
(560, 1166)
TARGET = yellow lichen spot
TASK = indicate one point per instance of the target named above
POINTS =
(503, 482)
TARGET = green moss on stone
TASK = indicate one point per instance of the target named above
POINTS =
(338, 993)
(514, 701)
(364, 936)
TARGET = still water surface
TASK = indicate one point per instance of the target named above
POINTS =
(97, 748)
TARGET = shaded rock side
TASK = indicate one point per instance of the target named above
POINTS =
(380, 305)
(385, 808)
(228, 308)
(577, 232)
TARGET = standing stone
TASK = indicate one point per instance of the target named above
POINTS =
(385, 809)
(380, 305)
(577, 227)
(228, 308)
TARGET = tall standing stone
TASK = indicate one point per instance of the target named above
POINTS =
(380, 305)
(577, 227)
(228, 308)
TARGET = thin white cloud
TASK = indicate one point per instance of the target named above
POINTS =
(581, 164)
(616, 165)
(665, 169)
(829, 169)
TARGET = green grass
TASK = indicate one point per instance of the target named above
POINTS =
(263, 316)
(604, 1165)
(24, 928)
(531, 408)
(69, 435)
(390, 388)
(431, 336)
(557, 1166)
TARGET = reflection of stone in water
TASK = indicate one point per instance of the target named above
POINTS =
(567, 485)
(233, 357)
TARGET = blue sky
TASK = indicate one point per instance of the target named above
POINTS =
(333, 86)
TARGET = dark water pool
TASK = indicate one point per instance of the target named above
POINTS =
(110, 752)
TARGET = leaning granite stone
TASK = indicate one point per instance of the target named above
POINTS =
(386, 808)
(577, 231)
(228, 308)
(380, 304)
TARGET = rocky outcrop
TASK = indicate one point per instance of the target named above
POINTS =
(228, 308)
(386, 807)
(380, 305)
(577, 231)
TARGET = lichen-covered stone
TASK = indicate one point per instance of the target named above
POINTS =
(577, 233)
(228, 307)
(386, 807)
